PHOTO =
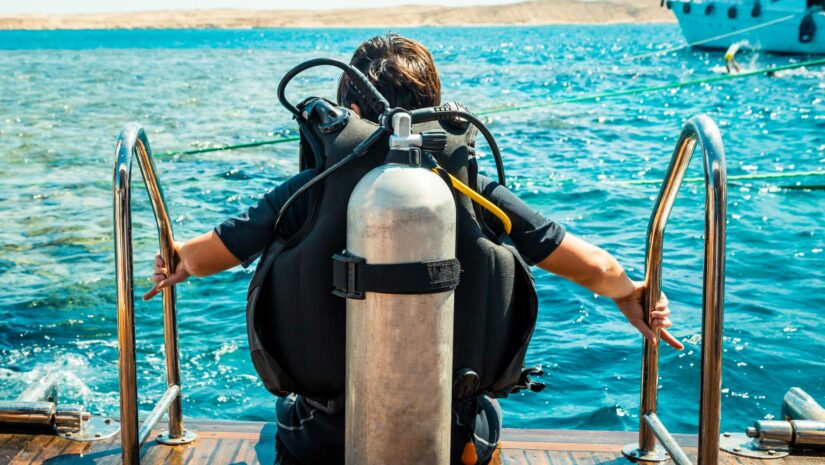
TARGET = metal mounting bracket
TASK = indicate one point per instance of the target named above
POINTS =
(635, 454)
(740, 444)
(94, 429)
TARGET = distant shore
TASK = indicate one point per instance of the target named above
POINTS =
(534, 12)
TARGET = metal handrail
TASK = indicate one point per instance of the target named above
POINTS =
(132, 141)
(703, 130)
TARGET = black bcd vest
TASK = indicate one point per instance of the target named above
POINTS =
(296, 326)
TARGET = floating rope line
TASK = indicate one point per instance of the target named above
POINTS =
(511, 108)
(221, 148)
(641, 90)
(711, 39)
(740, 177)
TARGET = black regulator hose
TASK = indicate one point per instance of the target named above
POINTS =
(362, 85)
(372, 98)
(442, 113)
(369, 95)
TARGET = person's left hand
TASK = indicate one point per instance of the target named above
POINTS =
(632, 308)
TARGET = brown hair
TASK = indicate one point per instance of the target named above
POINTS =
(400, 68)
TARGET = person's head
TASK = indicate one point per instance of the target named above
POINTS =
(400, 68)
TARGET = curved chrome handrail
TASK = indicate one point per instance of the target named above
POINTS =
(703, 130)
(132, 141)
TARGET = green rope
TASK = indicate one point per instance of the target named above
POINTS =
(221, 148)
(506, 109)
(740, 177)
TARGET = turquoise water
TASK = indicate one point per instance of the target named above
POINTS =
(65, 95)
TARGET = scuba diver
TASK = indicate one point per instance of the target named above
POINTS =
(296, 305)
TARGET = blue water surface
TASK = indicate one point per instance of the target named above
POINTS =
(65, 95)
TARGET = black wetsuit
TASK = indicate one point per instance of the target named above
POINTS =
(308, 433)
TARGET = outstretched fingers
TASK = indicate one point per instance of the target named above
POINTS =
(161, 283)
(670, 340)
(153, 291)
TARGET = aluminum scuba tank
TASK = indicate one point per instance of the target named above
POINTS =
(399, 345)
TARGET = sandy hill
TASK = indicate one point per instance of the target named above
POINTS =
(524, 13)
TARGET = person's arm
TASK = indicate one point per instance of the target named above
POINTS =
(236, 241)
(202, 256)
(594, 268)
(546, 244)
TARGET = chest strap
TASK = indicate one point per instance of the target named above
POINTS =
(352, 276)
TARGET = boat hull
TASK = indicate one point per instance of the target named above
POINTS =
(780, 37)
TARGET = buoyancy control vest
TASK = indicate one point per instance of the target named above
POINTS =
(296, 324)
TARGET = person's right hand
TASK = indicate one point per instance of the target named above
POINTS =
(161, 276)
(632, 306)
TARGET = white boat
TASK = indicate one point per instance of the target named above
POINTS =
(783, 26)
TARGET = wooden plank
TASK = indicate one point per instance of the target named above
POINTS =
(252, 443)
(155, 453)
(560, 458)
(227, 450)
(213, 456)
(583, 458)
(28, 455)
(584, 436)
(795, 459)
(77, 449)
(203, 449)
(15, 444)
(246, 455)
(524, 445)
(607, 458)
(239, 436)
(63, 451)
(514, 457)
(106, 452)
(200, 426)
(537, 457)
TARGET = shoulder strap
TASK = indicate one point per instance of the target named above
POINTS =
(267, 259)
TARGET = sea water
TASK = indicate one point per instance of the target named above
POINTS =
(65, 95)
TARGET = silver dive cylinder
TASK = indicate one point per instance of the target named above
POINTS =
(399, 347)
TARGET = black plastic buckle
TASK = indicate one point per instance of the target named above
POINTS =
(411, 156)
(344, 273)
(415, 156)
(525, 381)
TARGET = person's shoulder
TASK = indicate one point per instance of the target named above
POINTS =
(297, 180)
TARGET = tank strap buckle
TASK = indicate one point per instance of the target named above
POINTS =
(344, 275)
(352, 276)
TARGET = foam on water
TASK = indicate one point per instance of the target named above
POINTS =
(65, 95)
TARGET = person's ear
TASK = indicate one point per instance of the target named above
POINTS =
(355, 108)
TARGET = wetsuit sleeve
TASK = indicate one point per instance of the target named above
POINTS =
(534, 236)
(247, 234)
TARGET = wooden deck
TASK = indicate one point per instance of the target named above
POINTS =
(252, 443)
